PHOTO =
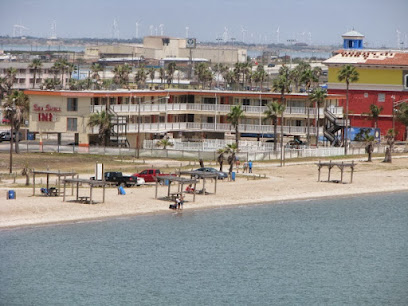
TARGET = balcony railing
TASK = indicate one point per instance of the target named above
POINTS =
(212, 127)
(213, 108)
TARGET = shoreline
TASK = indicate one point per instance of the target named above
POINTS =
(281, 185)
(190, 209)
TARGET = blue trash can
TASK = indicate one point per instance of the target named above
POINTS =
(11, 195)
(233, 176)
(30, 136)
(166, 182)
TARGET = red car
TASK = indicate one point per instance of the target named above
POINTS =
(150, 174)
(5, 121)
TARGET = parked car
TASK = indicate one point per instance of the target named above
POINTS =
(295, 144)
(5, 136)
(149, 175)
(5, 121)
(221, 175)
(122, 180)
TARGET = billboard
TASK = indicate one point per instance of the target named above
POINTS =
(358, 133)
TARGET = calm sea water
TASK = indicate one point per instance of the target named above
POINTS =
(349, 251)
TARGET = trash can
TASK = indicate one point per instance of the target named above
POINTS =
(30, 136)
(166, 182)
(11, 195)
(233, 176)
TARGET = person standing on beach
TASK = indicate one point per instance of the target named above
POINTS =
(250, 166)
(244, 167)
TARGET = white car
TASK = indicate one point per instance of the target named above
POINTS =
(140, 181)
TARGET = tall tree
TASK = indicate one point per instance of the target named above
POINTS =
(234, 117)
(140, 77)
(162, 73)
(36, 65)
(273, 111)
(151, 72)
(16, 110)
(121, 75)
(95, 69)
(232, 150)
(260, 76)
(282, 85)
(349, 74)
(103, 120)
(220, 157)
(318, 96)
(10, 79)
(390, 140)
(171, 68)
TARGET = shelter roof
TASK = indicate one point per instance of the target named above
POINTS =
(57, 173)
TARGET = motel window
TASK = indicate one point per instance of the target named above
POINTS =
(72, 124)
(246, 102)
(72, 104)
(381, 97)
(406, 81)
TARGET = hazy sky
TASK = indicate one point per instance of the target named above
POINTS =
(317, 21)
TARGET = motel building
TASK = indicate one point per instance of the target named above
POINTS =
(185, 114)
(383, 81)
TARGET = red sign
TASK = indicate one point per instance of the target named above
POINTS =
(45, 117)
(47, 108)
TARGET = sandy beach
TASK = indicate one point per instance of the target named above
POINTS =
(292, 182)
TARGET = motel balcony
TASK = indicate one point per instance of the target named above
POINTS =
(219, 109)
(212, 127)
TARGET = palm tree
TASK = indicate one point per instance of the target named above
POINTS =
(16, 110)
(36, 65)
(297, 73)
(164, 143)
(220, 158)
(349, 74)
(260, 75)
(140, 77)
(390, 139)
(202, 71)
(309, 78)
(374, 113)
(273, 111)
(121, 75)
(282, 84)
(61, 66)
(162, 73)
(318, 96)
(103, 120)
(369, 145)
(10, 79)
(231, 149)
(151, 72)
(171, 68)
(95, 69)
(234, 117)
(50, 84)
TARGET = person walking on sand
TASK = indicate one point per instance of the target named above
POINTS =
(250, 166)
(244, 167)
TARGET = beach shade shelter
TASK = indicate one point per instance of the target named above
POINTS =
(342, 166)
(204, 176)
(53, 191)
(168, 180)
(91, 184)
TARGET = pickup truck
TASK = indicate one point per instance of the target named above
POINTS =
(150, 174)
(122, 180)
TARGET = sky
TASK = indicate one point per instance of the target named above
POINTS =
(320, 22)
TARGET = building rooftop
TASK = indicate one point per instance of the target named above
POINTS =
(369, 58)
(352, 33)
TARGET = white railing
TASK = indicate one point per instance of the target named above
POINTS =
(219, 108)
(212, 127)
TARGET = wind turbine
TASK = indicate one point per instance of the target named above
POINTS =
(161, 27)
(151, 28)
(243, 30)
(398, 38)
(187, 28)
(277, 35)
(137, 28)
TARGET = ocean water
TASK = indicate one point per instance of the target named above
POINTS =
(347, 251)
